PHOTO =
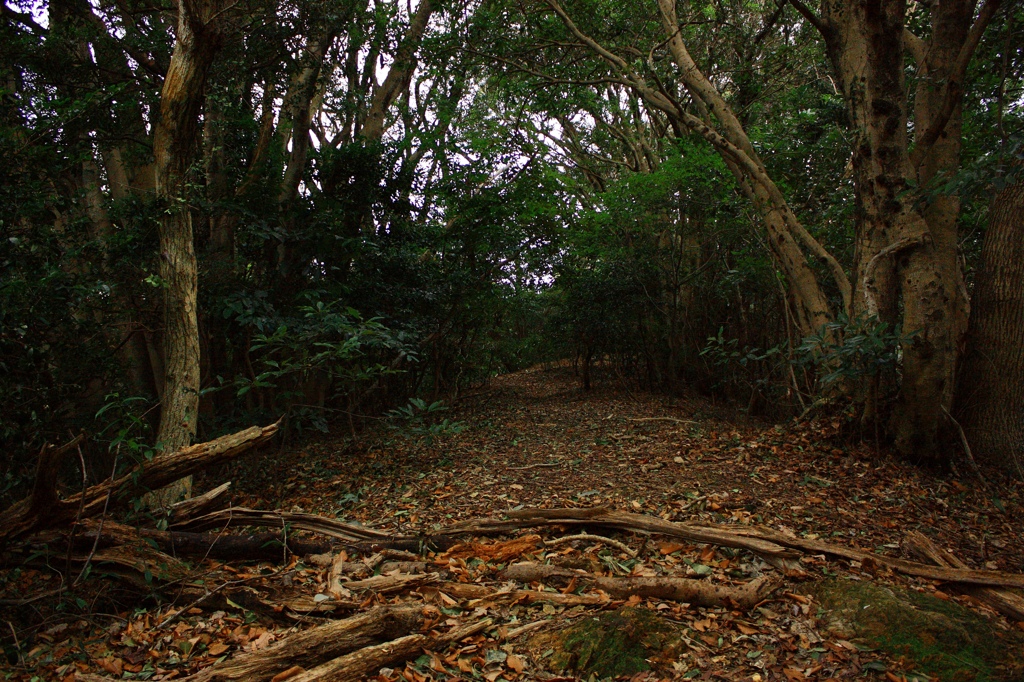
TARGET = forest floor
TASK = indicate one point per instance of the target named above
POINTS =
(534, 439)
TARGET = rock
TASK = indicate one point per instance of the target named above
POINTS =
(610, 644)
(944, 639)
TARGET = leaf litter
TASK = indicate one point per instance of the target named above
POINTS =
(532, 439)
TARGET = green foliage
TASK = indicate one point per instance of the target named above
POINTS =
(848, 350)
(420, 420)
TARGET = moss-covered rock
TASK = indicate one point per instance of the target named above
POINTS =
(610, 644)
(943, 638)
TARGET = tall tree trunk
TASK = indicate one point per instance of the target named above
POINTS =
(932, 283)
(174, 142)
(904, 250)
(990, 395)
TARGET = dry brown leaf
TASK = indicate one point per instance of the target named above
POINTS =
(289, 673)
(516, 663)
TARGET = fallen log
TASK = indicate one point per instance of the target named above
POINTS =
(311, 648)
(243, 516)
(606, 518)
(208, 502)
(44, 509)
(951, 575)
(1006, 602)
(389, 584)
(769, 543)
(688, 590)
(484, 593)
(363, 664)
(225, 547)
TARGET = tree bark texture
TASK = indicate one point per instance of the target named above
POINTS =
(44, 509)
(174, 141)
(689, 590)
(318, 645)
(990, 395)
(905, 251)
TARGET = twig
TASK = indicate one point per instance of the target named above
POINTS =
(171, 618)
(593, 538)
(661, 419)
(967, 448)
(17, 644)
(78, 515)
(103, 516)
(529, 627)
(546, 465)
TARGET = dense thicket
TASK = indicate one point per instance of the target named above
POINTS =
(217, 213)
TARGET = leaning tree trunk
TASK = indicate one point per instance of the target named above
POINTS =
(990, 395)
(174, 140)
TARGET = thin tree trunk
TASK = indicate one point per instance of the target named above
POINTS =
(990, 395)
(174, 141)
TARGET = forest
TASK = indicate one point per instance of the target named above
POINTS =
(401, 339)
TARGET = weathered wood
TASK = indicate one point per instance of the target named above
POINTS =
(335, 585)
(259, 547)
(243, 516)
(19, 518)
(953, 575)
(208, 502)
(606, 518)
(389, 584)
(363, 664)
(767, 542)
(25, 517)
(482, 592)
(699, 592)
(310, 648)
(1006, 602)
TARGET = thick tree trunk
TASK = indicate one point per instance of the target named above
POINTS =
(934, 295)
(990, 395)
(904, 251)
(174, 141)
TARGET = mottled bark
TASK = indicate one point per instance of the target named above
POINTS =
(174, 141)
(990, 395)
(903, 251)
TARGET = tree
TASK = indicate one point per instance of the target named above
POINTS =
(990, 394)
(197, 41)
(906, 246)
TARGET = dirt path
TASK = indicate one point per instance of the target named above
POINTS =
(534, 439)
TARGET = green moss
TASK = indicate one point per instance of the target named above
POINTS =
(943, 638)
(613, 644)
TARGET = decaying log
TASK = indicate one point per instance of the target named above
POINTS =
(389, 584)
(335, 585)
(484, 593)
(18, 519)
(43, 509)
(769, 543)
(234, 517)
(952, 575)
(311, 648)
(260, 547)
(208, 502)
(404, 567)
(606, 518)
(1006, 602)
(691, 591)
(364, 663)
